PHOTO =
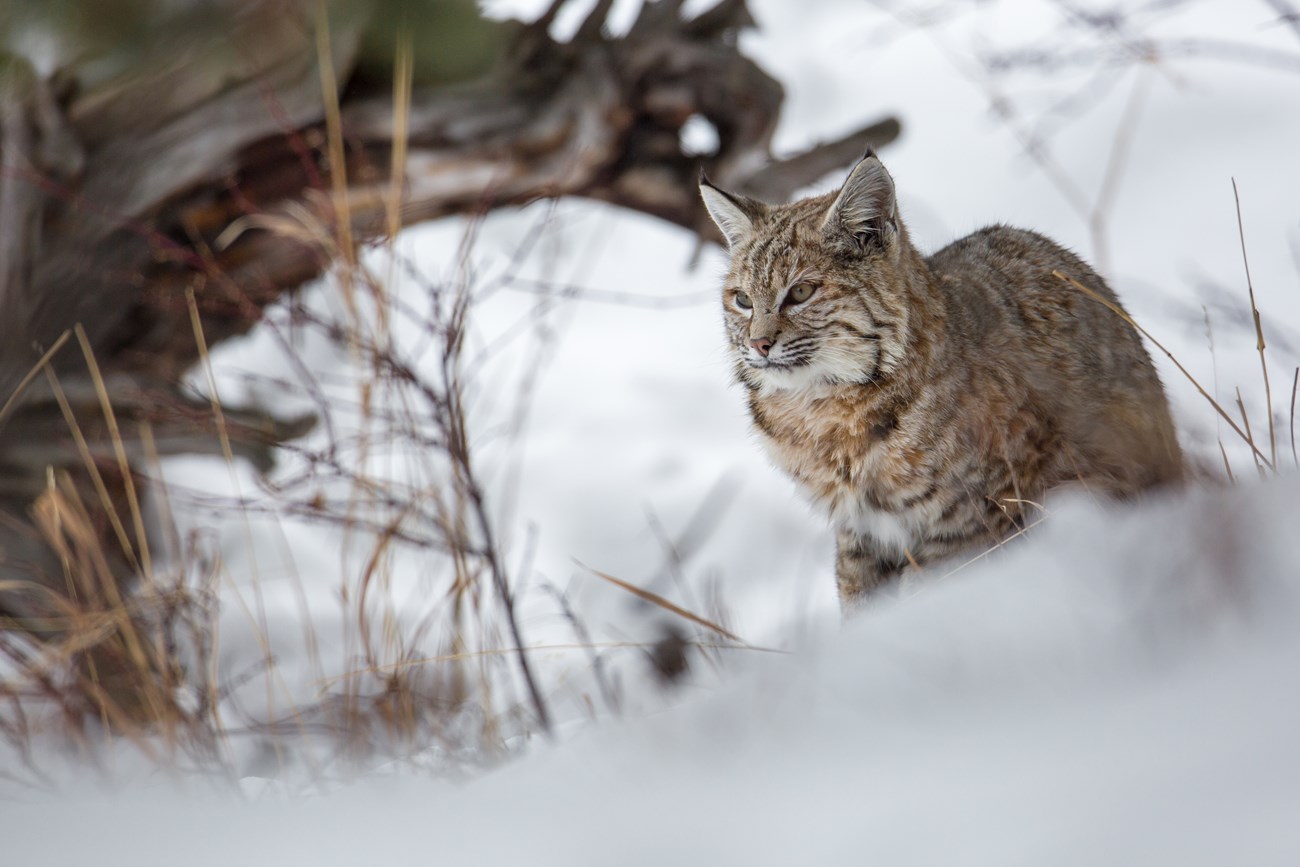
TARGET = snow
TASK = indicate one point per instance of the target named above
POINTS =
(1086, 697)
(1115, 687)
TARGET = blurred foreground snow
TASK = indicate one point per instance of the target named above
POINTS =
(1119, 688)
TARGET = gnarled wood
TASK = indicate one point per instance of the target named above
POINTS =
(208, 169)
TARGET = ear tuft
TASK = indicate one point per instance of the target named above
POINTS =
(735, 215)
(865, 209)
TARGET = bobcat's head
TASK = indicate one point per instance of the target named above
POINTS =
(814, 293)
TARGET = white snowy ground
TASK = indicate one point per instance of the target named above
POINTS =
(1117, 688)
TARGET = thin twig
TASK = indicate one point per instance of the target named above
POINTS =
(581, 632)
(1226, 466)
(1115, 164)
(1259, 330)
(453, 418)
(1250, 436)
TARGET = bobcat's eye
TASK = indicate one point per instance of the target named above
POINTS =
(743, 302)
(800, 292)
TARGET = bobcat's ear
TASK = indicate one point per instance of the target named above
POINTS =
(735, 215)
(865, 209)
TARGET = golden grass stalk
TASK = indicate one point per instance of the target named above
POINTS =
(99, 625)
(334, 132)
(403, 75)
(18, 391)
(92, 469)
(462, 656)
(119, 449)
(1250, 436)
(1227, 467)
(223, 434)
(671, 607)
(1259, 330)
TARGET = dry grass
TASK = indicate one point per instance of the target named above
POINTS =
(127, 648)
(394, 472)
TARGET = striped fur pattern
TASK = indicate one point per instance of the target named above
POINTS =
(928, 404)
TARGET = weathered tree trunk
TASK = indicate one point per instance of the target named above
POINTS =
(214, 168)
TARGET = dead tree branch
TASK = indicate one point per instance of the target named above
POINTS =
(211, 164)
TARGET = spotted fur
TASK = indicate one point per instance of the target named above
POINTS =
(928, 404)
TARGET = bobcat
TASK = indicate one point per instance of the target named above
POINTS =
(927, 404)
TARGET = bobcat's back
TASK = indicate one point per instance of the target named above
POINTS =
(928, 404)
(1081, 365)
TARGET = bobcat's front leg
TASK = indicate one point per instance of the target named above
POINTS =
(862, 568)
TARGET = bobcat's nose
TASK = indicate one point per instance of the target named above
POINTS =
(762, 344)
